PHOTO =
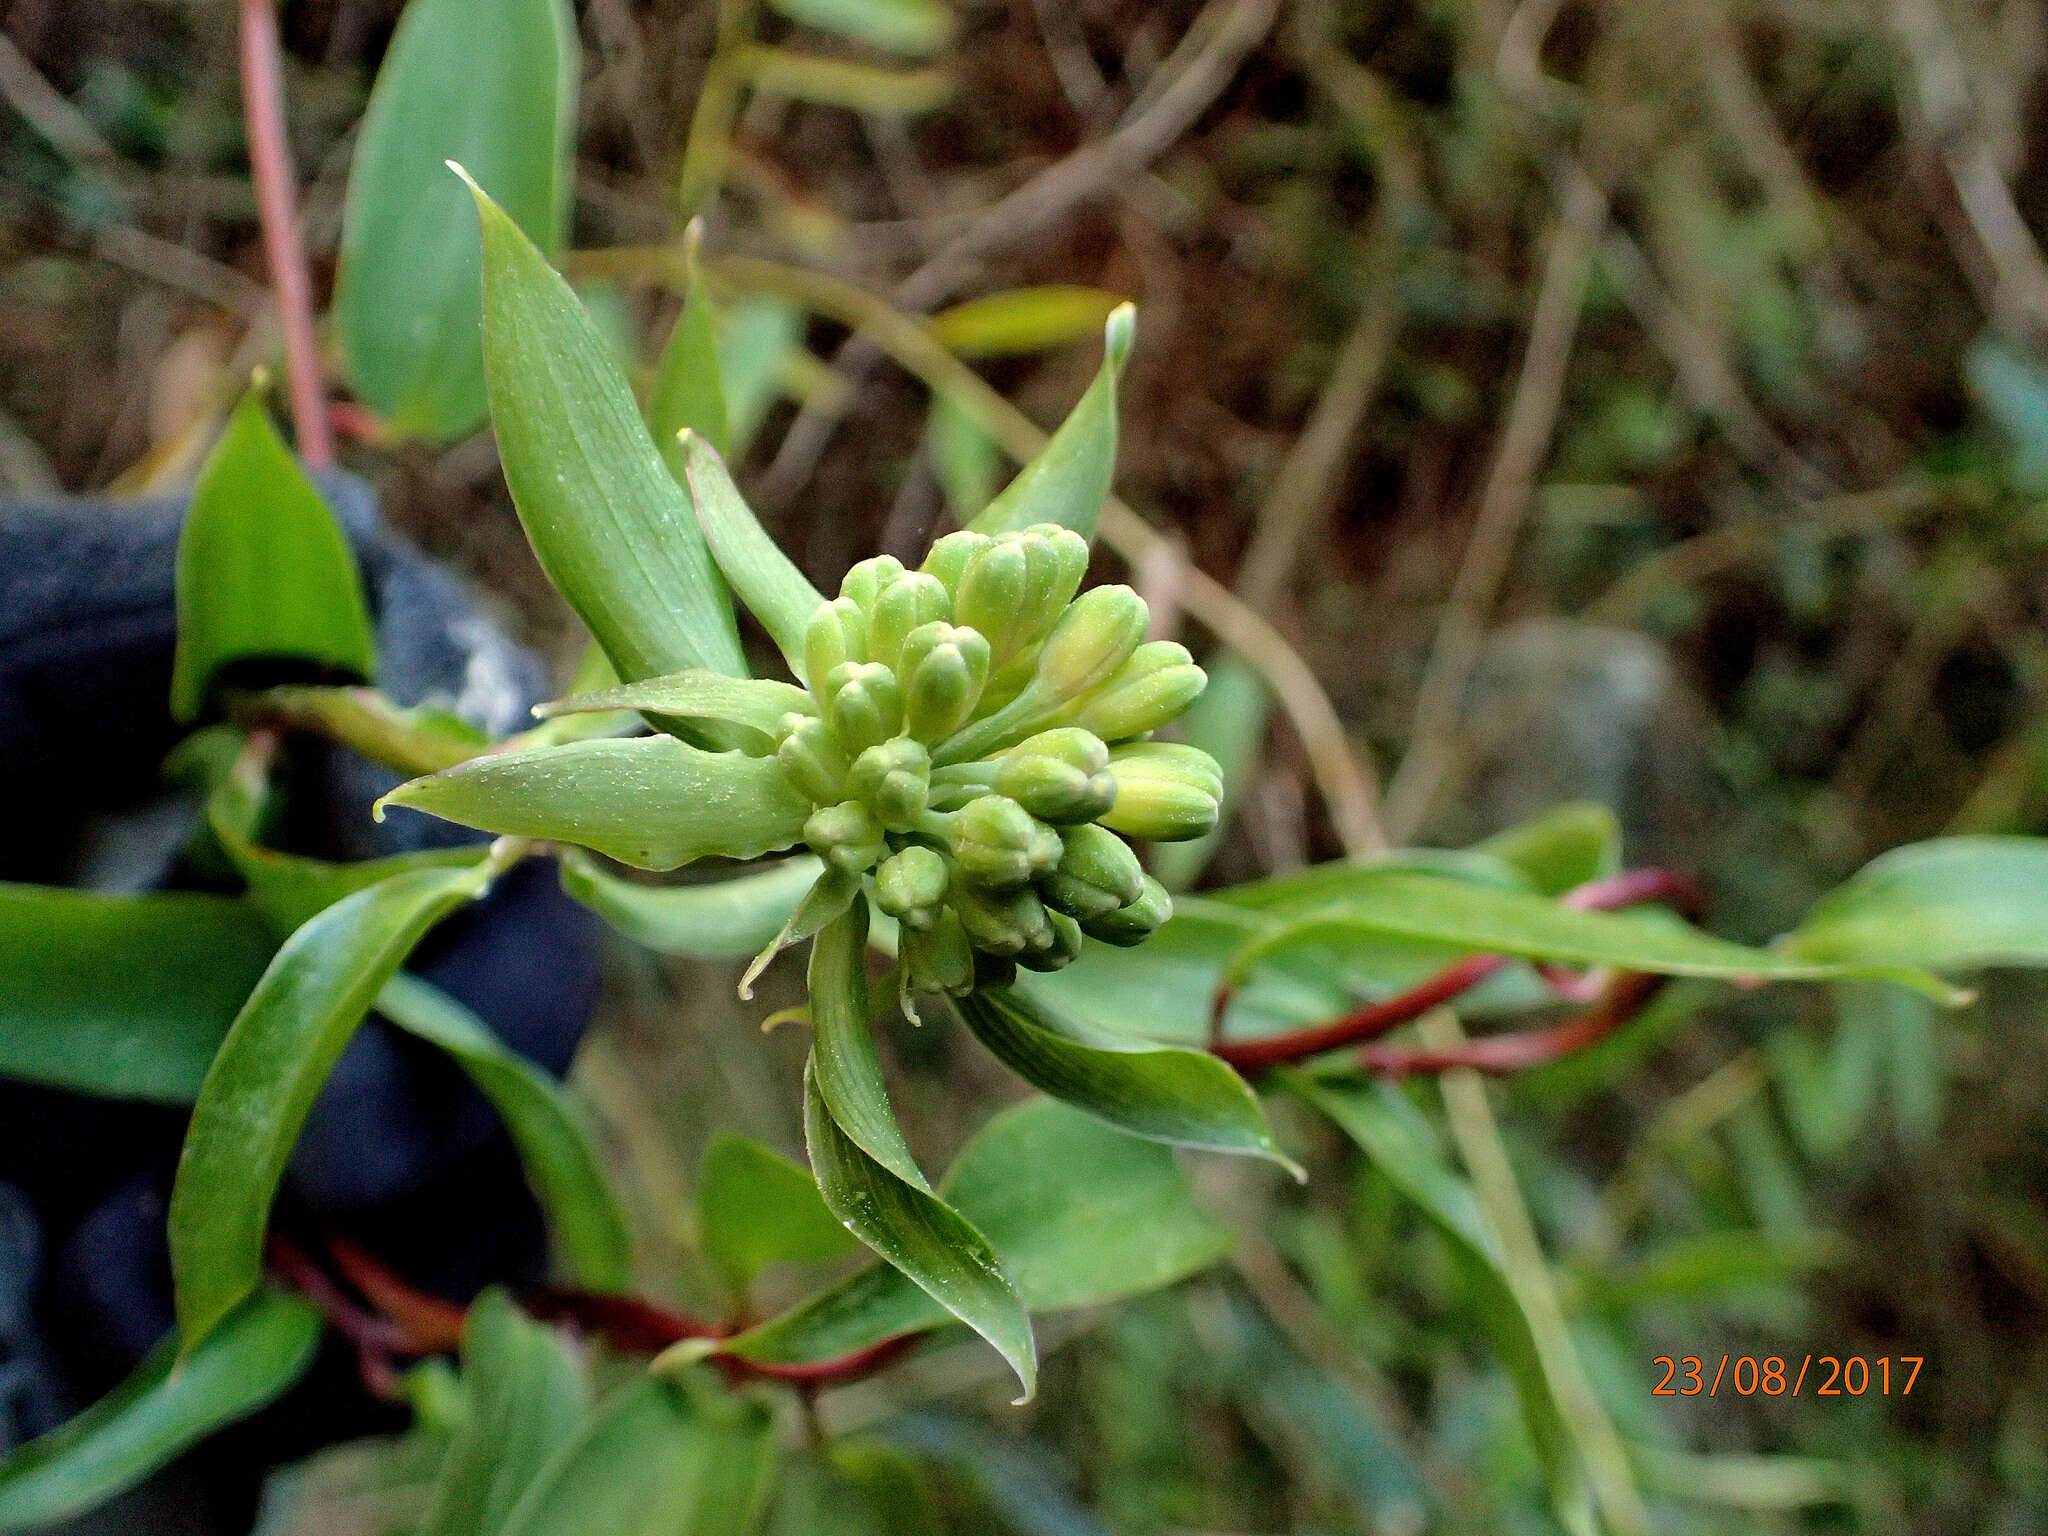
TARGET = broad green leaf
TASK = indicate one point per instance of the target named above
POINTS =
(774, 590)
(844, 1060)
(82, 1012)
(1952, 904)
(715, 920)
(755, 1208)
(921, 1236)
(1080, 1213)
(168, 1405)
(689, 391)
(696, 695)
(658, 1458)
(554, 1149)
(964, 458)
(525, 1398)
(1163, 1093)
(910, 28)
(840, 83)
(612, 528)
(653, 802)
(1566, 846)
(491, 84)
(1228, 722)
(283, 1044)
(263, 571)
(379, 1484)
(1069, 480)
(1023, 320)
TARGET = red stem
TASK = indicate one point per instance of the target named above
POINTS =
(270, 165)
(1625, 998)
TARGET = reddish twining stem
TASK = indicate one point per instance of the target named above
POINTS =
(1625, 997)
(270, 165)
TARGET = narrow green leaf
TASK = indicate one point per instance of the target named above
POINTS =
(409, 739)
(715, 920)
(1163, 1093)
(263, 571)
(921, 1236)
(1566, 846)
(840, 83)
(1951, 904)
(1080, 1213)
(525, 1398)
(756, 1208)
(653, 802)
(489, 83)
(168, 1405)
(696, 695)
(1020, 320)
(910, 28)
(964, 458)
(1069, 480)
(82, 1014)
(612, 528)
(283, 1044)
(844, 1060)
(554, 1149)
(774, 590)
(689, 390)
(657, 1459)
(828, 899)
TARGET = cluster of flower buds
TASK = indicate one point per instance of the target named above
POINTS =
(980, 747)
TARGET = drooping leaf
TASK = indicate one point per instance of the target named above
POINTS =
(1069, 480)
(964, 458)
(1566, 846)
(1951, 904)
(840, 82)
(168, 1405)
(82, 1013)
(843, 1055)
(659, 1458)
(910, 28)
(922, 1238)
(554, 1149)
(1163, 1093)
(755, 1208)
(774, 590)
(612, 528)
(1023, 320)
(525, 1398)
(1080, 1213)
(263, 571)
(716, 920)
(491, 84)
(653, 802)
(698, 695)
(283, 1043)
(689, 390)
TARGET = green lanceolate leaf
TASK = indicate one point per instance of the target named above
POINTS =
(1020, 320)
(689, 390)
(1069, 480)
(828, 899)
(168, 1405)
(283, 1044)
(924, 1238)
(560, 1162)
(488, 83)
(1951, 904)
(774, 590)
(82, 1013)
(695, 695)
(263, 571)
(909, 28)
(841, 83)
(755, 1208)
(1080, 1213)
(612, 528)
(658, 1458)
(716, 920)
(652, 802)
(525, 1398)
(1163, 1093)
(964, 458)
(848, 1070)
(1567, 845)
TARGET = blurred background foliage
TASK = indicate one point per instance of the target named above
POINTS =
(1645, 405)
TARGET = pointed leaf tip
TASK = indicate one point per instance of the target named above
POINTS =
(1119, 331)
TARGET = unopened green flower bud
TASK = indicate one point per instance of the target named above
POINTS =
(940, 958)
(1004, 922)
(1094, 637)
(1098, 872)
(948, 558)
(864, 583)
(1060, 948)
(999, 843)
(1055, 560)
(911, 885)
(1165, 792)
(994, 597)
(1154, 686)
(942, 668)
(1134, 922)
(911, 600)
(846, 835)
(835, 635)
(864, 705)
(1060, 776)
(811, 759)
(894, 778)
